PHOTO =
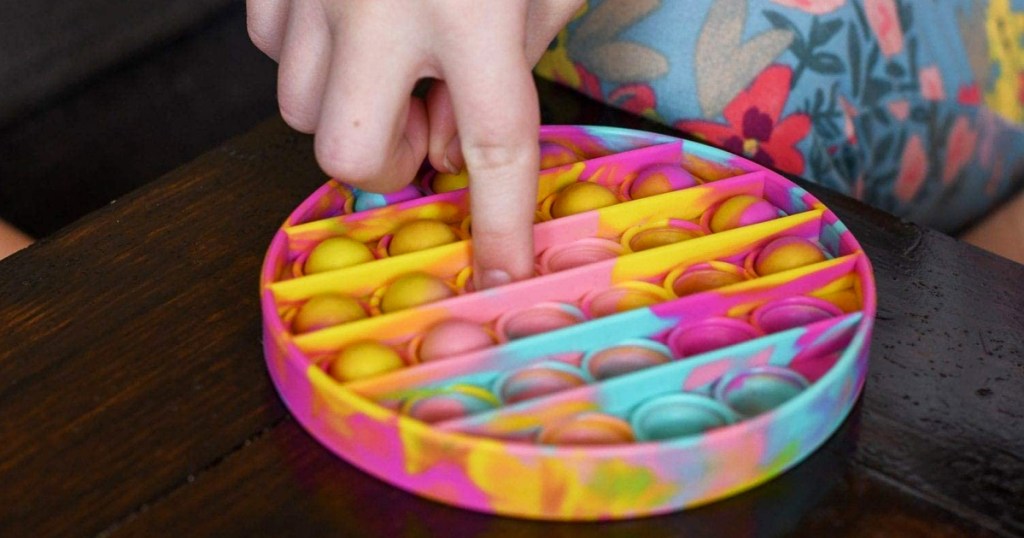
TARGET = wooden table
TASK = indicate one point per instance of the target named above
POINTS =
(135, 400)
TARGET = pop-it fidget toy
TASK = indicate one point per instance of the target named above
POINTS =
(698, 324)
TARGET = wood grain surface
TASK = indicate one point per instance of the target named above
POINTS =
(135, 399)
(131, 124)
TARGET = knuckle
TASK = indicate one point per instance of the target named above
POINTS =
(262, 37)
(298, 113)
(494, 154)
(348, 160)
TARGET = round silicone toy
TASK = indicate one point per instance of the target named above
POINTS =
(698, 325)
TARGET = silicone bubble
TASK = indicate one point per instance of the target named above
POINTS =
(786, 253)
(578, 253)
(337, 253)
(624, 297)
(705, 276)
(750, 392)
(444, 182)
(453, 337)
(741, 210)
(539, 318)
(449, 403)
(679, 415)
(365, 201)
(553, 155)
(581, 196)
(362, 360)
(625, 357)
(587, 429)
(659, 234)
(792, 312)
(326, 310)
(413, 289)
(538, 380)
(660, 179)
(709, 334)
(420, 235)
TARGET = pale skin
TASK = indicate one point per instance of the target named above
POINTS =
(347, 69)
(11, 240)
(346, 72)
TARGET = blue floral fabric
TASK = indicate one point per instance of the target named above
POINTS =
(914, 106)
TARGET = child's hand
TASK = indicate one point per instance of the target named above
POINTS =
(347, 70)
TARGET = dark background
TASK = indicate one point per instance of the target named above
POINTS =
(98, 97)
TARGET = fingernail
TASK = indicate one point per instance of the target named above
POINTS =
(448, 166)
(493, 278)
(452, 152)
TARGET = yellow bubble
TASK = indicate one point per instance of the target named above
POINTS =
(449, 182)
(652, 185)
(741, 210)
(326, 310)
(362, 360)
(582, 196)
(420, 235)
(787, 253)
(336, 253)
(412, 290)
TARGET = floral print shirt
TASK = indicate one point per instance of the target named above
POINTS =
(914, 106)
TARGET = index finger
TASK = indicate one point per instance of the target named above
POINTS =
(496, 111)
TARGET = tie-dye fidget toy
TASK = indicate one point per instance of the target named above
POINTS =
(698, 324)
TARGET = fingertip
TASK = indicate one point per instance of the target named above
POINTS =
(491, 278)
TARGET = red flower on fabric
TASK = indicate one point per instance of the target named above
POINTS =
(589, 83)
(636, 98)
(754, 127)
(969, 95)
